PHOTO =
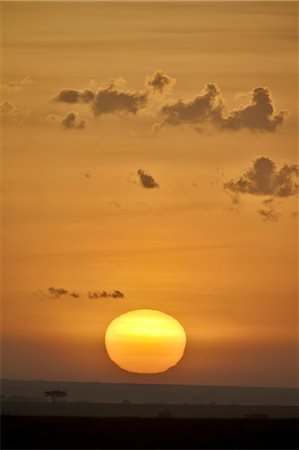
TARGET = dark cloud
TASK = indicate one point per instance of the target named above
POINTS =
(93, 295)
(265, 177)
(87, 96)
(146, 180)
(74, 294)
(61, 292)
(159, 82)
(258, 115)
(56, 292)
(108, 100)
(205, 107)
(112, 100)
(208, 109)
(73, 121)
(74, 96)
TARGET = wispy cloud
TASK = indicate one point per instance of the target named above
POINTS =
(16, 86)
(7, 107)
(268, 211)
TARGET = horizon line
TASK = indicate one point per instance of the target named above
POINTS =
(152, 384)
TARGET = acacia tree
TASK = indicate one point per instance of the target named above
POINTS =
(55, 395)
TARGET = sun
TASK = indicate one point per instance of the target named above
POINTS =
(145, 341)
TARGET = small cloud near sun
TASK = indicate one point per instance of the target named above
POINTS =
(93, 295)
(56, 293)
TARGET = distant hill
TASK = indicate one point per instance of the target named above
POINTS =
(150, 393)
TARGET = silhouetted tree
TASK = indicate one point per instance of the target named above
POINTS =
(55, 395)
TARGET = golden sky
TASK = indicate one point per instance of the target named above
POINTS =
(150, 149)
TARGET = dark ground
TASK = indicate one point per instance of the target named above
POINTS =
(83, 409)
(30, 432)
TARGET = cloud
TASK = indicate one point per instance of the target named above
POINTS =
(146, 180)
(72, 96)
(16, 85)
(104, 294)
(57, 292)
(159, 82)
(74, 294)
(208, 110)
(113, 100)
(52, 118)
(207, 106)
(265, 177)
(268, 211)
(205, 111)
(258, 115)
(11, 114)
(73, 121)
(69, 121)
(7, 107)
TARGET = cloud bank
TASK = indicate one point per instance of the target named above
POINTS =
(205, 111)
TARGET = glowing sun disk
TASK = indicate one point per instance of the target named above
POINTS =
(145, 341)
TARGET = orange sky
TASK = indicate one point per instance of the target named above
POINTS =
(76, 215)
